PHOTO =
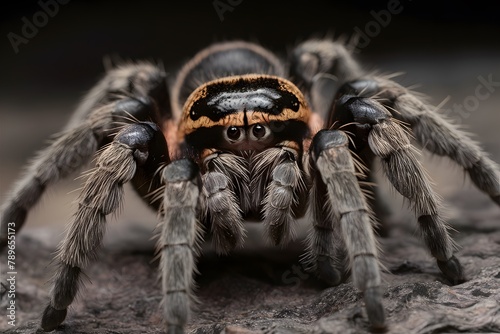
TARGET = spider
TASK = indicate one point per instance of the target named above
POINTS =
(238, 134)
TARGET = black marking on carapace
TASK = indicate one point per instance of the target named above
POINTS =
(256, 94)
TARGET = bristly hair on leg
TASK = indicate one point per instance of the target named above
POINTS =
(237, 168)
(277, 183)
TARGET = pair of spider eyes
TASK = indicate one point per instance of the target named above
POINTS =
(257, 132)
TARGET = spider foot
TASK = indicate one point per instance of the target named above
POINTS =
(174, 329)
(375, 308)
(496, 199)
(452, 270)
(328, 272)
(52, 318)
(8, 219)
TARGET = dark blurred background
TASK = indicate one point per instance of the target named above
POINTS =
(65, 57)
(443, 45)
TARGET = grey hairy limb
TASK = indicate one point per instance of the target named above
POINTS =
(94, 119)
(66, 154)
(389, 141)
(350, 211)
(102, 194)
(281, 194)
(440, 136)
(179, 232)
(326, 254)
(220, 206)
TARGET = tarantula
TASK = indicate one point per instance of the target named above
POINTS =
(240, 134)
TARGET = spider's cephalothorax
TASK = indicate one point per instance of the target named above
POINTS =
(240, 134)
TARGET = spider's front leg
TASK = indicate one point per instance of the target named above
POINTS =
(180, 234)
(138, 150)
(344, 218)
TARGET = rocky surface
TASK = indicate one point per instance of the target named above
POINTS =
(265, 290)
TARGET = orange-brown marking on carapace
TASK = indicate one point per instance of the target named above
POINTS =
(282, 98)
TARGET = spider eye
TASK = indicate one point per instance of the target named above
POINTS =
(260, 131)
(234, 134)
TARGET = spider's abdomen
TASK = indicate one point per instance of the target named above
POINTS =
(224, 60)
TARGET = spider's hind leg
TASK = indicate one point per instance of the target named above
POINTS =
(375, 127)
(126, 94)
(439, 136)
(320, 67)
